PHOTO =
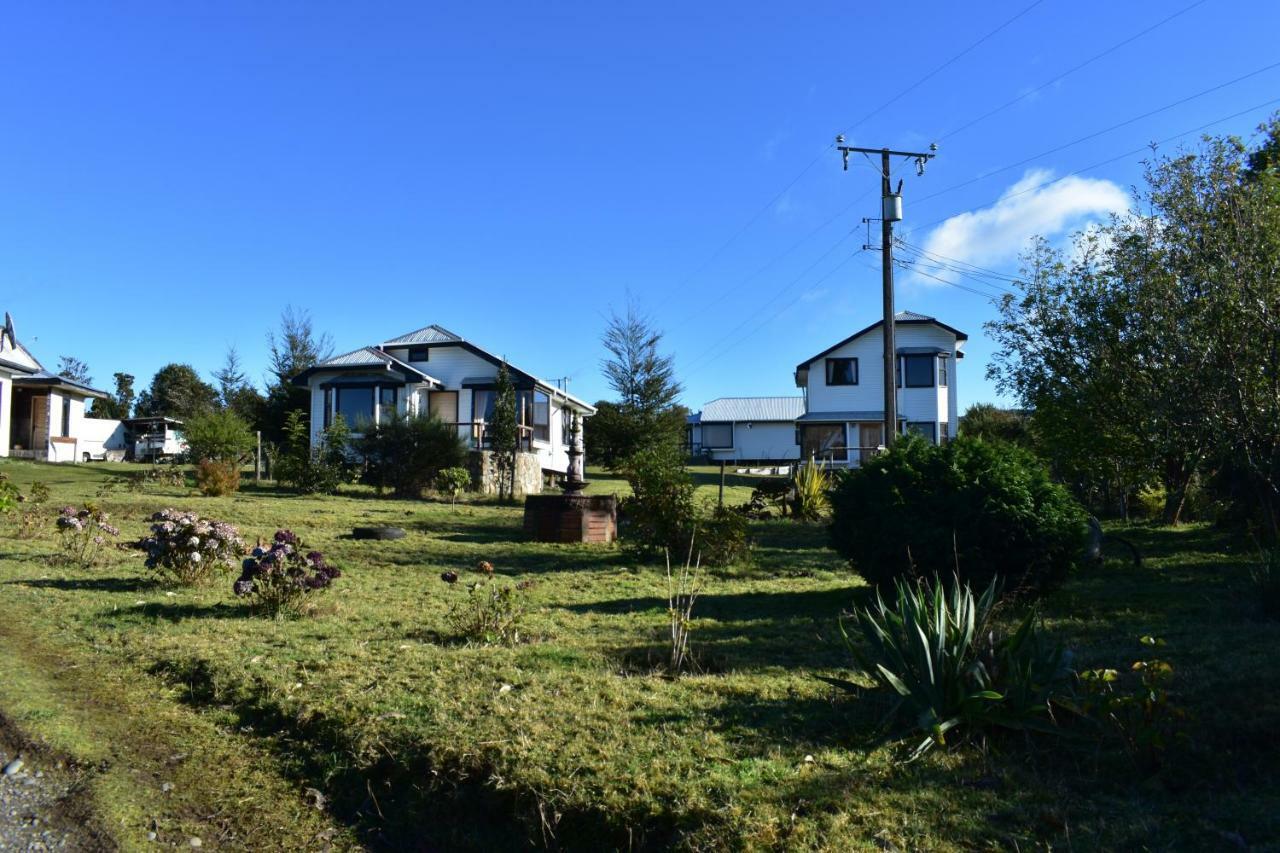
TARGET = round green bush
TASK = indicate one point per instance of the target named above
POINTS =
(973, 509)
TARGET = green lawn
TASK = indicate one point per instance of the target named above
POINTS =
(571, 738)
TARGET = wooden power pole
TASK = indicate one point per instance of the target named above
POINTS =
(890, 212)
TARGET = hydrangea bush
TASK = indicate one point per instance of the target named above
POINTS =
(186, 549)
(83, 531)
(278, 580)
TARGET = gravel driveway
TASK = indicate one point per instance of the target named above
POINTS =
(34, 807)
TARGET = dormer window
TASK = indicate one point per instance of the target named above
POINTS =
(842, 371)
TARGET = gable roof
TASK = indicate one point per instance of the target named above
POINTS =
(432, 334)
(364, 359)
(902, 318)
(752, 409)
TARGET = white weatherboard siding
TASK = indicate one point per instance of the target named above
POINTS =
(6, 405)
(760, 440)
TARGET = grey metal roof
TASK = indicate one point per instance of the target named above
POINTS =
(364, 357)
(432, 334)
(357, 358)
(842, 417)
(44, 377)
(753, 409)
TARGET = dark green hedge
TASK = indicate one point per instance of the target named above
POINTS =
(973, 508)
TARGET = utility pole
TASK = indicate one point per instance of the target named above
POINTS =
(891, 212)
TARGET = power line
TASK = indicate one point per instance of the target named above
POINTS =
(689, 371)
(985, 295)
(959, 265)
(1098, 133)
(777, 197)
(939, 69)
(1110, 50)
(715, 345)
(1147, 147)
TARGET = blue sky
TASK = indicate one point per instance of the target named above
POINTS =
(173, 175)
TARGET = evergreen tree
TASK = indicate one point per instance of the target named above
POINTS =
(504, 432)
(645, 414)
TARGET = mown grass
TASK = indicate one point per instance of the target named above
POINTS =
(575, 740)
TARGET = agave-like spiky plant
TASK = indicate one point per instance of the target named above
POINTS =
(813, 489)
(935, 650)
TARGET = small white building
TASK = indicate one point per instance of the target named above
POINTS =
(432, 371)
(843, 419)
(42, 416)
(747, 429)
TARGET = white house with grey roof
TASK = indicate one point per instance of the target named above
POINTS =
(843, 418)
(42, 416)
(747, 429)
(433, 371)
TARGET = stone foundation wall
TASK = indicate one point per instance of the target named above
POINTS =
(484, 474)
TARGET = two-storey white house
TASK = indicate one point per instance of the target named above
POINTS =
(432, 371)
(843, 420)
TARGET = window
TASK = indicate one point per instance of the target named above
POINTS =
(823, 442)
(924, 429)
(944, 434)
(842, 371)
(387, 397)
(328, 407)
(482, 405)
(942, 371)
(717, 436)
(917, 370)
(355, 404)
(566, 427)
(419, 353)
(66, 417)
(541, 416)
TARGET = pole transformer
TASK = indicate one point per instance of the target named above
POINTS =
(890, 212)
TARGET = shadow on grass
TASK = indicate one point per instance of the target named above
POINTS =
(157, 611)
(744, 606)
(89, 584)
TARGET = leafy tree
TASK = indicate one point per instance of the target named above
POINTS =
(217, 435)
(177, 391)
(315, 470)
(294, 346)
(120, 404)
(646, 414)
(984, 420)
(70, 367)
(504, 432)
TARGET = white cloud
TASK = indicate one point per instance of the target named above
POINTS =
(995, 236)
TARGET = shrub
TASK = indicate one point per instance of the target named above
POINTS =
(660, 514)
(8, 494)
(490, 613)
(1149, 501)
(1136, 706)
(315, 470)
(405, 454)
(31, 509)
(222, 436)
(185, 549)
(82, 533)
(279, 579)
(453, 481)
(1265, 575)
(813, 492)
(682, 591)
(934, 649)
(215, 478)
(978, 509)
(723, 538)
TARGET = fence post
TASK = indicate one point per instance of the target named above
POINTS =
(722, 464)
(257, 460)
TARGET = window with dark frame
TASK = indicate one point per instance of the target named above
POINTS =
(388, 396)
(355, 404)
(419, 353)
(541, 416)
(66, 417)
(944, 433)
(917, 371)
(925, 429)
(824, 442)
(717, 436)
(842, 371)
(942, 371)
(328, 407)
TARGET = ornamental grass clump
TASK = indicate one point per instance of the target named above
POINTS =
(490, 613)
(279, 580)
(935, 648)
(82, 533)
(188, 550)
